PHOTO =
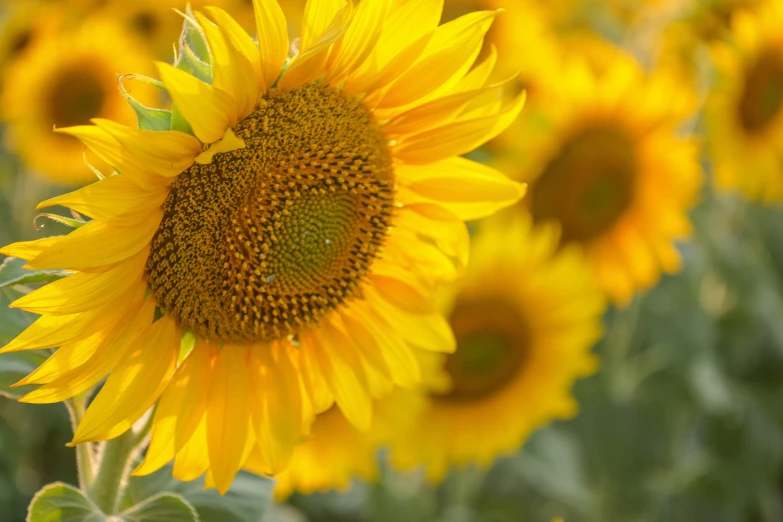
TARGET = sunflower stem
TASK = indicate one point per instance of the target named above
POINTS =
(113, 470)
(84, 459)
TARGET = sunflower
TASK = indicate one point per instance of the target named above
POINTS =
(612, 170)
(23, 26)
(744, 115)
(68, 78)
(336, 451)
(297, 231)
(525, 317)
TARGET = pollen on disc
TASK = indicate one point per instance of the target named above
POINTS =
(271, 237)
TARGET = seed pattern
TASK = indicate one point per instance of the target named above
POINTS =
(269, 238)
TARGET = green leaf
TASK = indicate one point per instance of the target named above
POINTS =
(60, 502)
(179, 123)
(247, 500)
(68, 222)
(17, 365)
(12, 274)
(164, 507)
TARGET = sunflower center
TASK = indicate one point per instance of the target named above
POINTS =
(75, 97)
(762, 93)
(492, 346)
(588, 184)
(145, 23)
(267, 239)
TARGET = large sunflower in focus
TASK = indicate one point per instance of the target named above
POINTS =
(66, 79)
(525, 317)
(296, 225)
(614, 172)
(745, 112)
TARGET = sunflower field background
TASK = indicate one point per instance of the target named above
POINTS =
(641, 380)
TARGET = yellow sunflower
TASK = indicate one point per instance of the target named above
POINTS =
(298, 233)
(744, 115)
(23, 26)
(525, 317)
(68, 78)
(336, 451)
(613, 170)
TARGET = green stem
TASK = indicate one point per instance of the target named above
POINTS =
(84, 459)
(113, 472)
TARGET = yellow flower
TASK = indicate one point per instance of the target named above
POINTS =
(610, 167)
(66, 79)
(23, 25)
(744, 115)
(525, 317)
(298, 234)
(336, 451)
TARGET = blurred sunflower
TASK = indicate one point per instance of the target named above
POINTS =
(744, 115)
(68, 78)
(23, 26)
(522, 340)
(336, 451)
(613, 171)
(298, 233)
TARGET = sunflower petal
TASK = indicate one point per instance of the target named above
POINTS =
(96, 244)
(208, 110)
(272, 30)
(134, 385)
(166, 153)
(29, 249)
(228, 422)
(359, 40)
(115, 200)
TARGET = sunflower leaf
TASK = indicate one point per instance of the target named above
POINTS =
(12, 274)
(59, 502)
(248, 499)
(164, 507)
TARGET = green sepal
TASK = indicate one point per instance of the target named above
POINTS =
(179, 123)
(59, 502)
(193, 53)
(12, 273)
(68, 222)
(148, 118)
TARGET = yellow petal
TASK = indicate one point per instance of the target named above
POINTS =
(403, 289)
(344, 375)
(448, 56)
(96, 244)
(82, 378)
(193, 460)
(166, 153)
(134, 385)
(277, 405)
(227, 143)
(460, 180)
(50, 331)
(29, 249)
(180, 409)
(318, 17)
(65, 359)
(308, 65)
(84, 291)
(228, 419)
(236, 35)
(436, 112)
(405, 35)
(428, 331)
(400, 360)
(208, 110)
(359, 40)
(231, 71)
(273, 44)
(109, 150)
(457, 138)
(312, 378)
(115, 200)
